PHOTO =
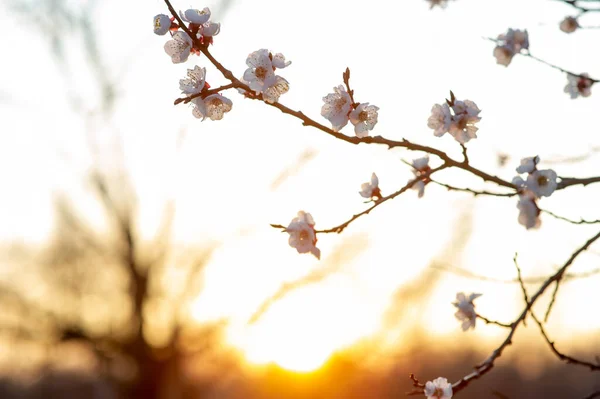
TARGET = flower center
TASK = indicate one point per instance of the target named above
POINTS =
(582, 84)
(260, 73)
(304, 235)
(542, 180)
(215, 102)
(339, 103)
(363, 116)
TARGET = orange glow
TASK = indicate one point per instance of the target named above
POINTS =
(301, 331)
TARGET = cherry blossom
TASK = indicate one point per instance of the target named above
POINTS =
(420, 170)
(195, 16)
(440, 119)
(162, 24)
(337, 107)
(261, 74)
(210, 29)
(214, 107)
(439, 388)
(509, 44)
(179, 47)
(569, 24)
(279, 87)
(371, 189)
(461, 124)
(364, 118)
(542, 182)
(279, 61)
(440, 3)
(302, 234)
(466, 310)
(528, 164)
(529, 213)
(465, 116)
(579, 85)
(195, 81)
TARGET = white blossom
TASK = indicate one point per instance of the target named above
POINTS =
(210, 29)
(302, 234)
(214, 107)
(529, 213)
(364, 118)
(542, 182)
(195, 81)
(579, 85)
(509, 44)
(440, 3)
(528, 164)
(439, 388)
(260, 73)
(519, 182)
(569, 25)
(196, 16)
(460, 124)
(179, 47)
(462, 127)
(440, 119)
(371, 189)
(516, 40)
(279, 61)
(162, 24)
(420, 169)
(466, 310)
(280, 86)
(504, 55)
(337, 107)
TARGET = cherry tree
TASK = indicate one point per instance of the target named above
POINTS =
(346, 117)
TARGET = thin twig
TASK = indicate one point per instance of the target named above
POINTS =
(560, 355)
(487, 365)
(338, 229)
(474, 192)
(488, 321)
(580, 221)
(203, 93)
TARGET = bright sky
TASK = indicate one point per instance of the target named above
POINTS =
(403, 58)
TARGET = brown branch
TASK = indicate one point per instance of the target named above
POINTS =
(338, 229)
(573, 181)
(487, 365)
(580, 8)
(580, 221)
(528, 54)
(488, 321)
(203, 93)
(560, 355)
(474, 192)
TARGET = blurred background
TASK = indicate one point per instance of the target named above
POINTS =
(137, 260)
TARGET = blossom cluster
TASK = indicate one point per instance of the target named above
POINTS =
(538, 183)
(182, 44)
(455, 117)
(339, 109)
(260, 75)
(509, 44)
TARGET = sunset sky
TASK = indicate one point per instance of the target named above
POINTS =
(225, 175)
